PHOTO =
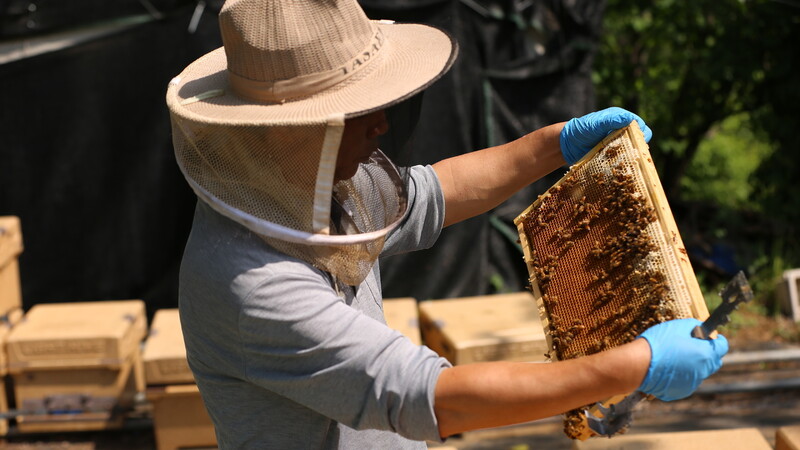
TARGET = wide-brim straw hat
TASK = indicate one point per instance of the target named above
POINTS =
(304, 60)
(258, 124)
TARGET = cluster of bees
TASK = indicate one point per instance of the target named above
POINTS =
(573, 422)
(592, 260)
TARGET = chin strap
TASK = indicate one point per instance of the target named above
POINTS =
(327, 167)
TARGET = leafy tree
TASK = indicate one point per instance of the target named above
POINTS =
(686, 66)
(718, 77)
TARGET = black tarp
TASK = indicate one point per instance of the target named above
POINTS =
(30, 18)
(86, 162)
(86, 158)
(521, 65)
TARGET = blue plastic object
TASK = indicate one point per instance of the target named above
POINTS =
(680, 362)
(581, 134)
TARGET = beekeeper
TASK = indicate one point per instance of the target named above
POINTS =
(280, 294)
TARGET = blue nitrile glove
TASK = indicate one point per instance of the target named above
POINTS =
(680, 362)
(581, 134)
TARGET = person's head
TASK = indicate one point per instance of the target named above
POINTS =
(359, 142)
(318, 74)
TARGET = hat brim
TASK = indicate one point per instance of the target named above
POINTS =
(415, 57)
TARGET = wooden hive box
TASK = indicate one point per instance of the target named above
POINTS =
(787, 438)
(605, 256)
(789, 293)
(501, 327)
(731, 439)
(180, 418)
(77, 366)
(10, 249)
(6, 325)
(164, 352)
(402, 315)
(10, 297)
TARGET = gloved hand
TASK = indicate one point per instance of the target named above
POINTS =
(581, 134)
(680, 362)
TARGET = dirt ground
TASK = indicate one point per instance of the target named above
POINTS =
(753, 331)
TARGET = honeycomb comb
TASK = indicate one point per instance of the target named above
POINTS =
(605, 258)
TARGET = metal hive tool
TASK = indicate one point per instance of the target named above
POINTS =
(605, 258)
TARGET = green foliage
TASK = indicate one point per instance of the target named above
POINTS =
(726, 160)
(498, 284)
(687, 66)
(717, 82)
(743, 317)
(767, 270)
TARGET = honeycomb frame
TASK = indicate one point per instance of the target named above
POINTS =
(605, 257)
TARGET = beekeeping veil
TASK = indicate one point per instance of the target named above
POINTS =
(257, 124)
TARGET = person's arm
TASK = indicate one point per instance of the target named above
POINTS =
(493, 394)
(665, 361)
(476, 182)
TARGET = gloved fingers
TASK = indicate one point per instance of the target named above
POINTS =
(580, 135)
(689, 323)
(618, 118)
(677, 387)
(648, 133)
(681, 326)
(720, 347)
(679, 362)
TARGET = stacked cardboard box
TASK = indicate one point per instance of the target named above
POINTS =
(502, 327)
(10, 297)
(731, 439)
(402, 315)
(789, 293)
(77, 366)
(179, 416)
(5, 328)
(787, 438)
(10, 249)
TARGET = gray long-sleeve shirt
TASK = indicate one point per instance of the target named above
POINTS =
(283, 362)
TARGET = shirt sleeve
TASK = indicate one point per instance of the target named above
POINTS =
(425, 218)
(301, 341)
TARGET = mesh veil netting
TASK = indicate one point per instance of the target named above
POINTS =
(277, 181)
